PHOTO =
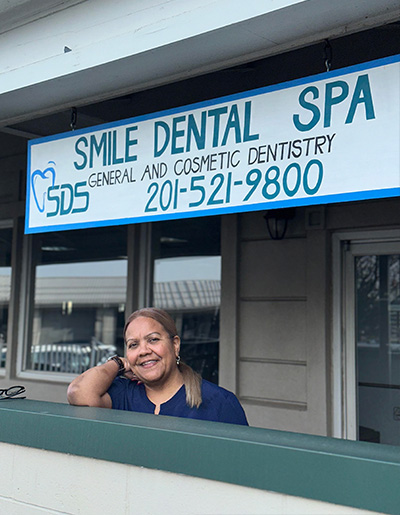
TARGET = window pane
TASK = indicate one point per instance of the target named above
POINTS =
(79, 300)
(187, 283)
(378, 347)
(5, 287)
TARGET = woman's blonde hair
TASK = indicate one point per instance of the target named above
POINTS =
(191, 379)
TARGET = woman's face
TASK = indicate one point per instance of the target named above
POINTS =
(150, 351)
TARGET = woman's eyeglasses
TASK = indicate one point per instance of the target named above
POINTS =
(12, 393)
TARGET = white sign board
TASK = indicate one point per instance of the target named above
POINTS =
(333, 137)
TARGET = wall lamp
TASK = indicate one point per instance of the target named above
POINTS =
(277, 222)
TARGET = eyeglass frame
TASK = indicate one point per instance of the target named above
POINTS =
(4, 395)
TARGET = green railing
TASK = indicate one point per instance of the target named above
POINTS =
(357, 474)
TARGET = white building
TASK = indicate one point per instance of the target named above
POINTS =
(307, 325)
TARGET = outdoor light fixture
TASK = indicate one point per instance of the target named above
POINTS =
(277, 222)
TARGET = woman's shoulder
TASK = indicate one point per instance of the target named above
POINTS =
(225, 402)
(213, 390)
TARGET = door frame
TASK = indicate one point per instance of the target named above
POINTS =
(345, 246)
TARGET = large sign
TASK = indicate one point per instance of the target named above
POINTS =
(332, 137)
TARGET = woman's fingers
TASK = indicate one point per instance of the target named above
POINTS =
(128, 372)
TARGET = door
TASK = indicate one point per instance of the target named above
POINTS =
(372, 334)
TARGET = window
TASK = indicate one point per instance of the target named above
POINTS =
(378, 347)
(78, 296)
(187, 284)
(5, 288)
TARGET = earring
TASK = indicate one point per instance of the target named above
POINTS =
(178, 360)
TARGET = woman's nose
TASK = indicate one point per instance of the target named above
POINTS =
(144, 347)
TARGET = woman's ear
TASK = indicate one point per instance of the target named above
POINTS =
(177, 344)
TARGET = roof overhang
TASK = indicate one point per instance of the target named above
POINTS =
(158, 47)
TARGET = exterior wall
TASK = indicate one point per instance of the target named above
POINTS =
(82, 460)
(284, 313)
(282, 325)
(66, 485)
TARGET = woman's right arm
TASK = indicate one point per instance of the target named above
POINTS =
(90, 388)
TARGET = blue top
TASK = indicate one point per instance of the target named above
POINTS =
(219, 405)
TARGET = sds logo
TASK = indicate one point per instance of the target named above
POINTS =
(57, 199)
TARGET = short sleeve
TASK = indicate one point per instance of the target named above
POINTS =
(118, 393)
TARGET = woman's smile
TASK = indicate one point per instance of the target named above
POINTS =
(149, 363)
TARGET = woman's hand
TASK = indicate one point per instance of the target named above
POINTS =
(129, 374)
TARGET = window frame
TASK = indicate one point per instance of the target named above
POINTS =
(27, 306)
(9, 223)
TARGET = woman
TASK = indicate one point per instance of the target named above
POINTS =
(155, 380)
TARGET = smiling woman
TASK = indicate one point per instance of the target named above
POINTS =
(155, 380)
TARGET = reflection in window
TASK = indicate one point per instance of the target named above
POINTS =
(187, 283)
(378, 347)
(378, 307)
(79, 299)
(5, 288)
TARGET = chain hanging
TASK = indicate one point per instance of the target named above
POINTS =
(74, 117)
(328, 55)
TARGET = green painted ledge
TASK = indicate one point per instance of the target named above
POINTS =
(347, 473)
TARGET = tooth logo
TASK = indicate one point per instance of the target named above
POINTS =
(41, 181)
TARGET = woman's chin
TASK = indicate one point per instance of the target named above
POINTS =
(150, 377)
